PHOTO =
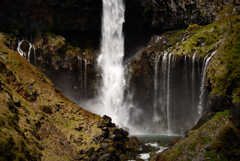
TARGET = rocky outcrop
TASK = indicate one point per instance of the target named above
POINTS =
(76, 16)
(59, 16)
(63, 60)
(38, 123)
(170, 14)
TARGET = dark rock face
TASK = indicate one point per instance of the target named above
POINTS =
(63, 15)
(218, 103)
(85, 15)
(235, 112)
(170, 14)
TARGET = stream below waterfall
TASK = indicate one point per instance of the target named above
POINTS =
(155, 141)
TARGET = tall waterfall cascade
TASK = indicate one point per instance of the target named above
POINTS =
(110, 61)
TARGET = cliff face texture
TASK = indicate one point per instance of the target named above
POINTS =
(38, 123)
(171, 14)
(59, 16)
(85, 15)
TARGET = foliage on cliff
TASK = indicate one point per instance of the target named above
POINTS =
(218, 139)
(223, 75)
(38, 123)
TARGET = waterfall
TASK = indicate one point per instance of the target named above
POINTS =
(193, 78)
(80, 73)
(185, 79)
(19, 48)
(110, 60)
(22, 53)
(202, 88)
(35, 58)
(164, 82)
(156, 117)
(168, 93)
(85, 76)
(29, 50)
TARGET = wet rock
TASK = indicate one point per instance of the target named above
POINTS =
(205, 118)
(135, 140)
(93, 158)
(218, 103)
(235, 112)
(121, 132)
(132, 156)
(108, 120)
(105, 145)
(120, 146)
(106, 157)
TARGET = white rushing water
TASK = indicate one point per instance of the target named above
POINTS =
(156, 117)
(193, 79)
(85, 77)
(146, 156)
(202, 88)
(23, 54)
(111, 60)
(19, 48)
(29, 50)
(168, 94)
(185, 79)
(35, 58)
(164, 81)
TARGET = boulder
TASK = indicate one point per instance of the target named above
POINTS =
(108, 120)
(106, 157)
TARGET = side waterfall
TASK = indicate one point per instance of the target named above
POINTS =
(193, 78)
(203, 89)
(155, 104)
(168, 93)
(85, 76)
(23, 54)
(174, 110)
(19, 49)
(29, 50)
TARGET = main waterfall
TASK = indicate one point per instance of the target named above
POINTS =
(111, 61)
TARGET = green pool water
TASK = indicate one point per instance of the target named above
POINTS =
(154, 138)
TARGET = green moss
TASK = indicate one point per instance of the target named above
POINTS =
(206, 140)
(221, 114)
(173, 155)
(192, 146)
(1, 121)
(211, 155)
